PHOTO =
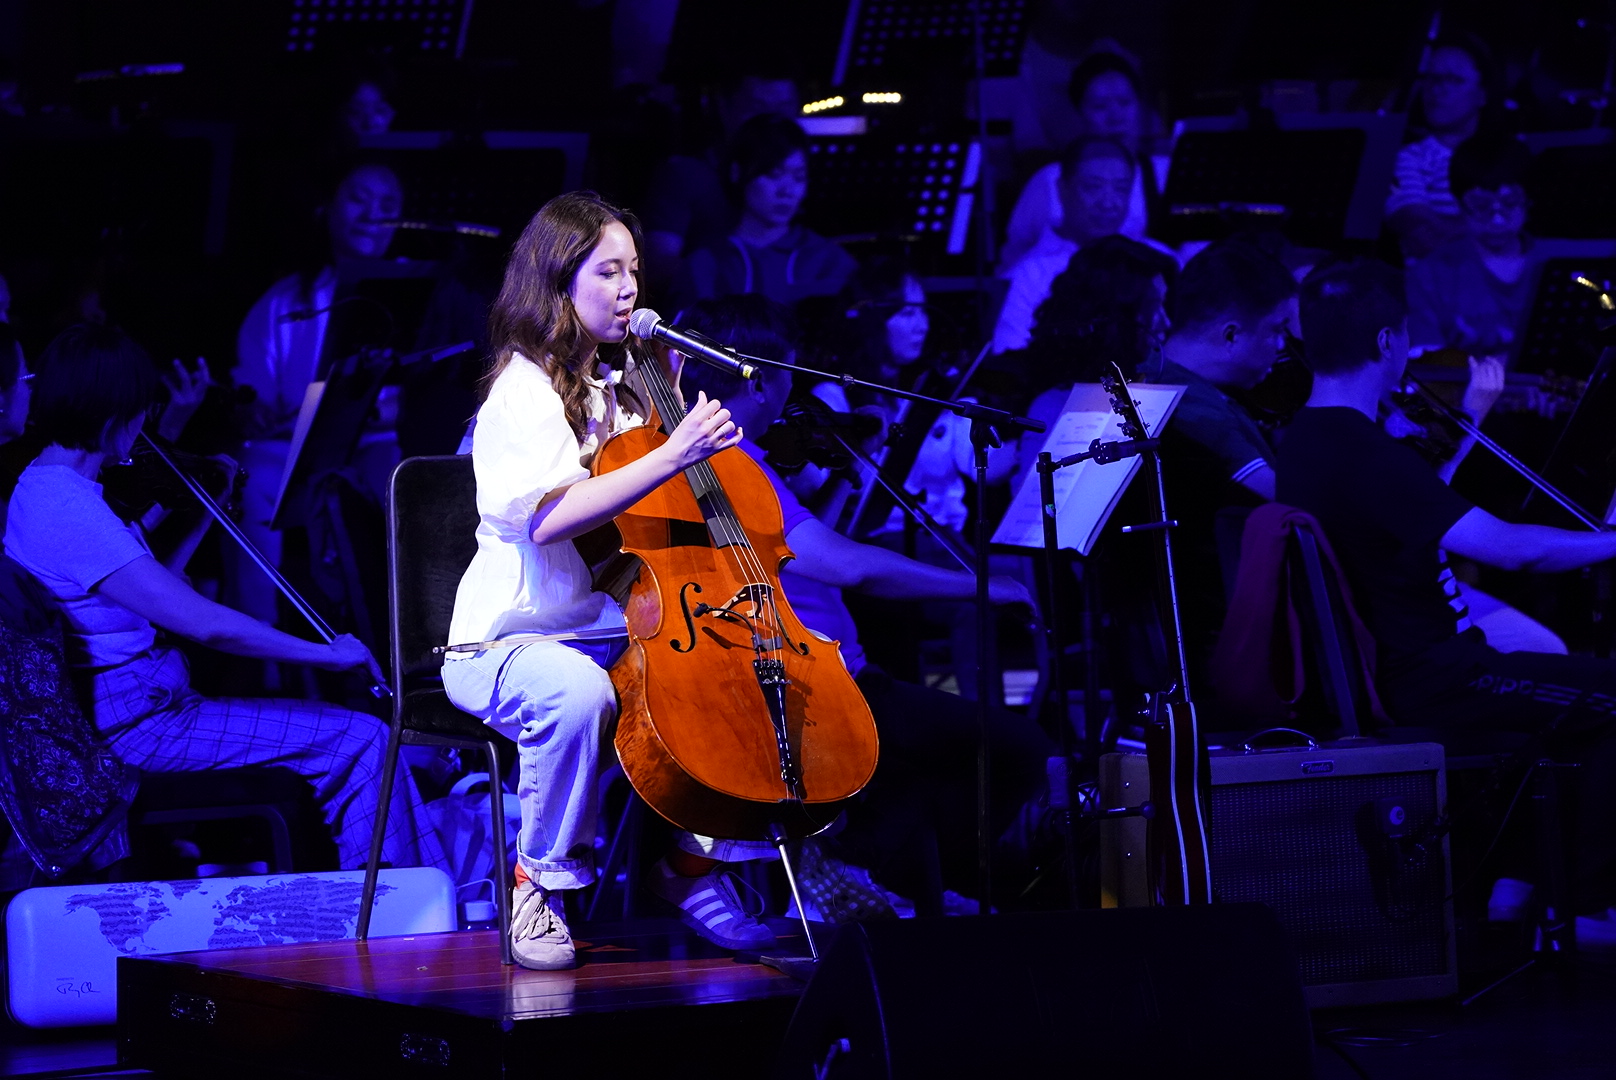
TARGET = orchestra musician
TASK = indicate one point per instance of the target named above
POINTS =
(563, 382)
(561, 385)
(91, 401)
(1390, 519)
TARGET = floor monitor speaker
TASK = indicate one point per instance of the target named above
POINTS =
(1141, 993)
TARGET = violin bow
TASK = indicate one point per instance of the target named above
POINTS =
(215, 511)
(917, 512)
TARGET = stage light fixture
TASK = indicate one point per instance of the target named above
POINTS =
(882, 98)
(822, 104)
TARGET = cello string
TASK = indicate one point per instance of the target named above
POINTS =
(743, 557)
(673, 413)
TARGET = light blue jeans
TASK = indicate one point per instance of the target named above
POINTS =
(558, 705)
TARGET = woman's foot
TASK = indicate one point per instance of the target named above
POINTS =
(710, 906)
(540, 939)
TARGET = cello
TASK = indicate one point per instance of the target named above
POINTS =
(735, 720)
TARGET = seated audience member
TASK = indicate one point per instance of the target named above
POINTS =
(927, 774)
(1109, 98)
(765, 252)
(1474, 292)
(279, 352)
(686, 206)
(1422, 210)
(93, 393)
(1390, 518)
(1096, 176)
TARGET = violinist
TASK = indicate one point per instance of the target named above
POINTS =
(1475, 292)
(926, 778)
(279, 349)
(561, 384)
(91, 401)
(1390, 517)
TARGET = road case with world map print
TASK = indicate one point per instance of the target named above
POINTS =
(63, 942)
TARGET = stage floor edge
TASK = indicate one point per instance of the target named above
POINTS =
(647, 994)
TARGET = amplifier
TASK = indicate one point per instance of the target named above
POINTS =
(1338, 840)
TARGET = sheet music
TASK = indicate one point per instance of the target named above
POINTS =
(300, 433)
(1085, 493)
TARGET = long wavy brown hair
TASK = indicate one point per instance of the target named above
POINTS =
(534, 315)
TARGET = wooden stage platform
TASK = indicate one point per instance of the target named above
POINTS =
(647, 993)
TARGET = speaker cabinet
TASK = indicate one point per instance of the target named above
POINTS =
(1338, 841)
(1141, 993)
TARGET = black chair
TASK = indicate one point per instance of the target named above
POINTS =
(431, 538)
(1333, 665)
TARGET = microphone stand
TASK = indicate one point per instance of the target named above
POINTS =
(985, 425)
(1101, 452)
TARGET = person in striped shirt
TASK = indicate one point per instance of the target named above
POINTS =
(1421, 210)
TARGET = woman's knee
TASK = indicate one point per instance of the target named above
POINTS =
(579, 710)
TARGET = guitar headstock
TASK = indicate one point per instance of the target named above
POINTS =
(1122, 402)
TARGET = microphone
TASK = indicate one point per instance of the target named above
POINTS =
(648, 325)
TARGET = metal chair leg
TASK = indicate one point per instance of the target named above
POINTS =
(378, 830)
(608, 871)
(502, 873)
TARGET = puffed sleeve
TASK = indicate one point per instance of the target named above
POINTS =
(521, 451)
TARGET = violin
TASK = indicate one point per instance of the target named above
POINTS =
(135, 486)
(736, 721)
(809, 431)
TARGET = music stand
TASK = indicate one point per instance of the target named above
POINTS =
(895, 42)
(1322, 177)
(1565, 316)
(1573, 174)
(425, 28)
(870, 187)
(493, 178)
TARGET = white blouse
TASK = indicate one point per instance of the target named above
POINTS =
(522, 450)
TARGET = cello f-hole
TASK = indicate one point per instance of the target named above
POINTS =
(690, 621)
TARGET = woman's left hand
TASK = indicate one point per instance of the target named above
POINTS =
(186, 391)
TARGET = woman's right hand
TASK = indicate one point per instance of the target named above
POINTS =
(348, 652)
(705, 430)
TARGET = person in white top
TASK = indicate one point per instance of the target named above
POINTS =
(93, 393)
(1096, 176)
(557, 390)
(1420, 209)
(1109, 97)
(278, 351)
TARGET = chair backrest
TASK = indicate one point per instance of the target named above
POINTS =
(1329, 650)
(431, 538)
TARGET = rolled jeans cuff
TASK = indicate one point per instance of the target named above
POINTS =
(725, 850)
(562, 874)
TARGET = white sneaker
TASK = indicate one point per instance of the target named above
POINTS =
(540, 939)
